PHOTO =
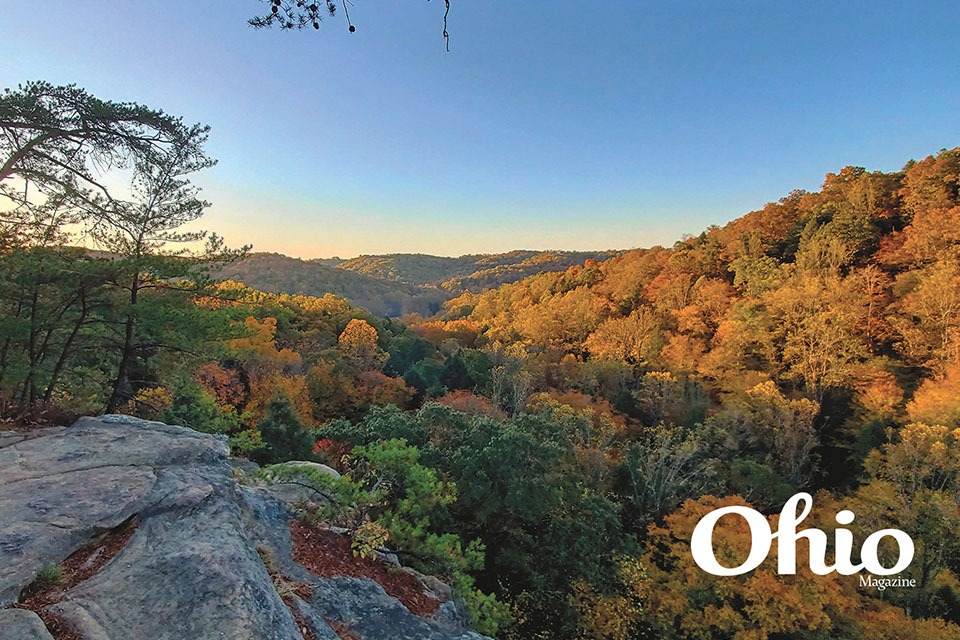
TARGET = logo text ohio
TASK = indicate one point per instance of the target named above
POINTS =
(701, 543)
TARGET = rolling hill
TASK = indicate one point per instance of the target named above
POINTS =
(397, 284)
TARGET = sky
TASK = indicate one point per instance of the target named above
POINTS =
(548, 125)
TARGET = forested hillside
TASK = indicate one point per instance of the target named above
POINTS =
(275, 273)
(468, 273)
(397, 284)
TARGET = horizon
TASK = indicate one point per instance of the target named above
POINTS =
(255, 251)
(627, 127)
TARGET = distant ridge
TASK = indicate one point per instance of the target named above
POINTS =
(422, 269)
(400, 283)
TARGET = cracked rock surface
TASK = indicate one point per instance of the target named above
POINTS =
(191, 569)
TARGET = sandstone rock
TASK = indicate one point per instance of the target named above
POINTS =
(191, 569)
(17, 624)
(365, 609)
(296, 493)
(322, 468)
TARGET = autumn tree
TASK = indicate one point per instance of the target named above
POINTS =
(268, 371)
(937, 401)
(927, 316)
(635, 339)
(660, 471)
(767, 441)
(358, 345)
(816, 320)
(914, 485)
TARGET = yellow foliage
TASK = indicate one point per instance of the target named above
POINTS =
(635, 339)
(358, 344)
(260, 343)
(149, 403)
(368, 539)
(611, 616)
(938, 401)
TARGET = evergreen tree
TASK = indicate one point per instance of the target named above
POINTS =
(284, 435)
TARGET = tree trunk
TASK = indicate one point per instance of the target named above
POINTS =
(5, 352)
(65, 353)
(29, 393)
(119, 392)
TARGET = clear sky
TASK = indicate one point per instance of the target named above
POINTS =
(550, 124)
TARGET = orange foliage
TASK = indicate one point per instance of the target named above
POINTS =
(223, 384)
(465, 332)
(380, 389)
(471, 403)
(877, 390)
(684, 352)
(938, 401)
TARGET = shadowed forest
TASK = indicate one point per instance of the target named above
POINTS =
(545, 429)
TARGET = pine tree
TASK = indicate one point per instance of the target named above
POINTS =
(284, 435)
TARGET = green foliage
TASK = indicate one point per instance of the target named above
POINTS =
(247, 443)
(283, 434)
(193, 407)
(660, 472)
(405, 352)
(455, 375)
(518, 486)
(425, 377)
(49, 576)
(389, 497)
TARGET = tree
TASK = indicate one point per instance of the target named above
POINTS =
(562, 320)
(659, 473)
(635, 339)
(59, 139)
(927, 316)
(139, 230)
(767, 443)
(52, 300)
(455, 374)
(937, 401)
(915, 484)
(817, 320)
(284, 436)
(358, 345)
(191, 406)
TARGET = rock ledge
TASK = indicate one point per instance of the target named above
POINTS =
(191, 570)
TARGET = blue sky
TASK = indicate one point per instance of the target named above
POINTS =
(552, 124)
